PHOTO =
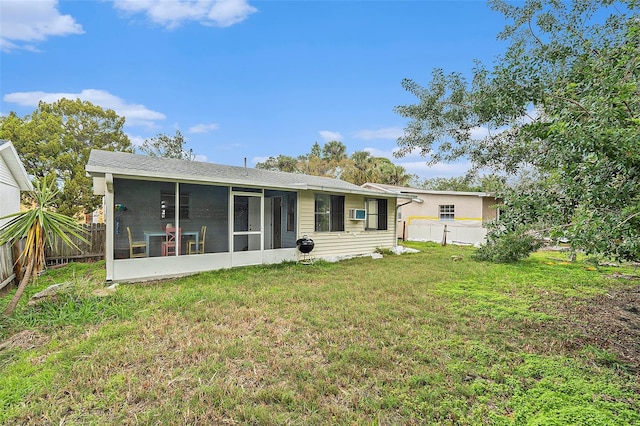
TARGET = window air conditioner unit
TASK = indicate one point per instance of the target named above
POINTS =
(357, 214)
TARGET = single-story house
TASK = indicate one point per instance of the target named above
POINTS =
(13, 179)
(462, 214)
(228, 216)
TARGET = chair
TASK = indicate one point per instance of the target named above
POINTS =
(133, 245)
(172, 236)
(191, 244)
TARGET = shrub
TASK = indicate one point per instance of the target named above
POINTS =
(508, 247)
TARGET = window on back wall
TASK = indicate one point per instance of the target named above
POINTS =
(376, 213)
(329, 213)
(447, 212)
(168, 205)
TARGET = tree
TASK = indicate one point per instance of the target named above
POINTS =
(562, 103)
(485, 183)
(56, 139)
(39, 226)
(163, 145)
(282, 163)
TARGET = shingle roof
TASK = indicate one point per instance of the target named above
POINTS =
(126, 164)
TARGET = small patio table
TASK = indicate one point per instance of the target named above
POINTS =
(149, 234)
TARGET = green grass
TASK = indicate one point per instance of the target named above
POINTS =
(409, 339)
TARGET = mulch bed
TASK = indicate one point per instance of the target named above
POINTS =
(610, 321)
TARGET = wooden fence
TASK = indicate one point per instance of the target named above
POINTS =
(96, 234)
(6, 266)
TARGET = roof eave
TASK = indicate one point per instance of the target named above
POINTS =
(19, 173)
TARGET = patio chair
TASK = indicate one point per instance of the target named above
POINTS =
(171, 240)
(191, 244)
(134, 245)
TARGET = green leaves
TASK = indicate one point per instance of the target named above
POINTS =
(563, 102)
(56, 139)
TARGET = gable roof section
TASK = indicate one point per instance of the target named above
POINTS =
(124, 164)
(16, 168)
(407, 190)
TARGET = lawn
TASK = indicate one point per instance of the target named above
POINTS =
(412, 339)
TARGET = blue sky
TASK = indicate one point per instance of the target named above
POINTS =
(244, 78)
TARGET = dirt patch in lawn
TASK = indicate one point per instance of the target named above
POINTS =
(25, 340)
(610, 321)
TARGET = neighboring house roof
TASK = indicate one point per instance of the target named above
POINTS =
(407, 190)
(126, 164)
(16, 168)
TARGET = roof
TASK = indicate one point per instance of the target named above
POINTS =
(408, 190)
(16, 168)
(123, 164)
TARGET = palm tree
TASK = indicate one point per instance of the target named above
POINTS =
(39, 226)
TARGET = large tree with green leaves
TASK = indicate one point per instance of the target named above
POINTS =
(38, 226)
(56, 139)
(561, 104)
(163, 145)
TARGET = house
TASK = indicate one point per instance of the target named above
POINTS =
(251, 216)
(13, 179)
(424, 219)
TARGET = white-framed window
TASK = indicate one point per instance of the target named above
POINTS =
(168, 205)
(329, 213)
(447, 212)
(377, 213)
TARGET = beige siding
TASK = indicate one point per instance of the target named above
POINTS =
(489, 211)
(354, 240)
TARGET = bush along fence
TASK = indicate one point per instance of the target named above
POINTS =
(95, 233)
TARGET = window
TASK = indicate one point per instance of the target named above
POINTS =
(377, 213)
(168, 205)
(447, 212)
(329, 213)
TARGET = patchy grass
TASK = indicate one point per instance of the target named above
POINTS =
(408, 339)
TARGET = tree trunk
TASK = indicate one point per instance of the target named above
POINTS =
(23, 284)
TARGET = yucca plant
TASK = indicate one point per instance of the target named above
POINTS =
(39, 226)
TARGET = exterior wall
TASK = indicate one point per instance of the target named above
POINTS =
(489, 210)
(207, 202)
(9, 192)
(421, 221)
(354, 240)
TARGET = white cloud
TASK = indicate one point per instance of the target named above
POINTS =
(391, 133)
(202, 158)
(32, 21)
(203, 128)
(328, 135)
(135, 114)
(170, 14)
(136, 140)
(480, 132)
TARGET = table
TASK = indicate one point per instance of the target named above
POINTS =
(149, 234)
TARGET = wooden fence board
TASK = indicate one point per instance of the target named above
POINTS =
(96, 234)
(6, 265)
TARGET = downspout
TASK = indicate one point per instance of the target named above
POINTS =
(395, 223)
